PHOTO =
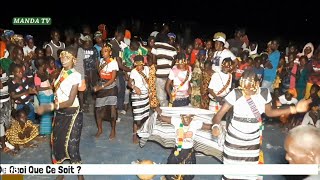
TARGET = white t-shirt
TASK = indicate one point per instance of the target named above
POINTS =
(219, 56)
(307, 120)
(177, 79)
(189, 131)
(242, 109)
(27, 50)
(139, 81)
(283, 100)
(218, 81)
(65, 87)
(113, 65)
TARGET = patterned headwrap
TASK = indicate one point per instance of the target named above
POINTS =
(172, 35)
(86, 38)
(138, 60)
(16, 38)
(127, 34)
(28, 37)
(198, 41)
(97, 34)
(8, 33)
(103, 30)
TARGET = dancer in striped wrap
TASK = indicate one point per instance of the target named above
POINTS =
(106, 92)
(244, 133)
(138, 82)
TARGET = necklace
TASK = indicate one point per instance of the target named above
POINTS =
(180, 138)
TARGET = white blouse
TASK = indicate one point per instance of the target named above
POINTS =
(64, 90)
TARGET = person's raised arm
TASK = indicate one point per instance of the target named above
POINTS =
(302, 106)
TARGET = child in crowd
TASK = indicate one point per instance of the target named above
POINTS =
(22, 130)
(45, 95)
(206, 78)
(52, 69)
(258, 69)
(5, 109)
(22, 90)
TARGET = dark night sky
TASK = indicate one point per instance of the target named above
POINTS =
(288, 20)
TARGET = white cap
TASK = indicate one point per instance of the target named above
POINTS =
(221, 39)
(154, 33)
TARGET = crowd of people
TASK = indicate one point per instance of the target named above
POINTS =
(45, 90)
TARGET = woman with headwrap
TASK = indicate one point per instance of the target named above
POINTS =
(196, 79)
(244, 135)
(29, 48)
(68, 121)
(307, 51)
(106, 92)
(139, 83)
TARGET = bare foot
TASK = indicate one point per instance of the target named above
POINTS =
(60, 177)
(135, 139)
(112, 135)
(98, 134)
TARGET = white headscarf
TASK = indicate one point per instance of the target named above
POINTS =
(310, 54)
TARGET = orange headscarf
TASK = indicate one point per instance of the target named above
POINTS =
(3, 48)
(127, 34)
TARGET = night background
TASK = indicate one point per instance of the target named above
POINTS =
(263, 20)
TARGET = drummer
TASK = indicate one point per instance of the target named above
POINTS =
(183, 153)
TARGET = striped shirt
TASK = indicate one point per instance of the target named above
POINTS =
(164, 65)
(4, 94)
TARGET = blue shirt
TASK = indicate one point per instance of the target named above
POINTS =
(98, 48)
(270, 74)
(259, 72)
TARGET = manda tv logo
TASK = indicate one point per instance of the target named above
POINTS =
(31, 21)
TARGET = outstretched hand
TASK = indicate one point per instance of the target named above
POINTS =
(303, 105)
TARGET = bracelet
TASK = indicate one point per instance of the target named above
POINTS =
(102, 86)
(57, 108)
(215, 125)
(293, 110)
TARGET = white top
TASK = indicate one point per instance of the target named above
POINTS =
(138, 79)
(113, 65)
(177, 79)
(189, 131)
(307, 120)
(283, 100)
(242, 109)
(64, 90)
(218, 81)
(219, 56)
(27, 50)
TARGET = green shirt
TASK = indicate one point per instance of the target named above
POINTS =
(128, 55)
(5, 64)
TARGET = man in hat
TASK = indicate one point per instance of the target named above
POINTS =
(221, 52)
(99, 42)
(178, 84)
(90, 62)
